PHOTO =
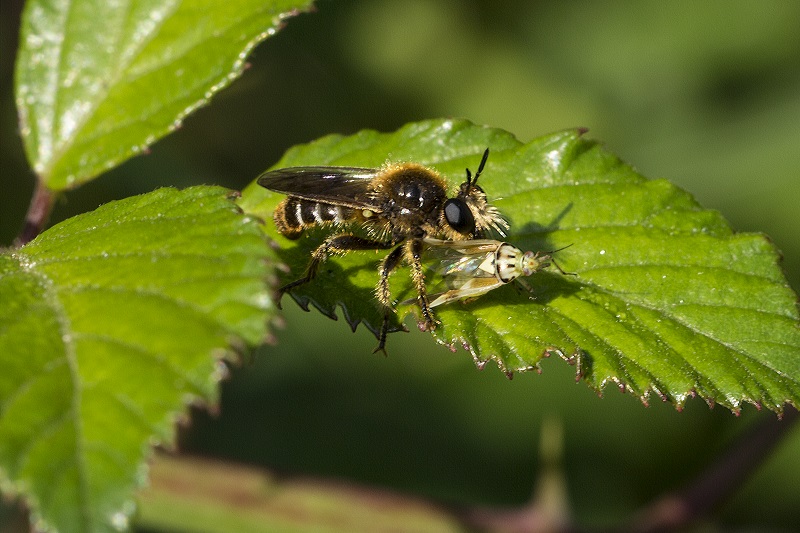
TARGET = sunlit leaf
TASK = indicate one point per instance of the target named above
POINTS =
(98, 81)
(666, 298)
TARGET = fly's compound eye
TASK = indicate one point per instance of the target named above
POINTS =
(459, 216)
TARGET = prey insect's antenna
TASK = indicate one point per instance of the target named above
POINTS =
(470, 179)
(560, 249)
(553, 261)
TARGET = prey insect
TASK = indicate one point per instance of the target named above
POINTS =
(472, 268)
(395, 206)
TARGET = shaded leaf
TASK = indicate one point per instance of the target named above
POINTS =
(97, 82)
(667, 299)
(111, 322)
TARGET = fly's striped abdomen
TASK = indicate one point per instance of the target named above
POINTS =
(295, 214)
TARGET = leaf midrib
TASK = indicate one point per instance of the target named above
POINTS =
(68, 341)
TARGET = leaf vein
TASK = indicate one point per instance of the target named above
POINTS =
(51, 295)
(156, 357)
(681, 266)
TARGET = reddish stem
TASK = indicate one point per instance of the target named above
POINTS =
(37, 215)
(719, 481)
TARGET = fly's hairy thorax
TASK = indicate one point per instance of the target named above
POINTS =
(398, 206)
(408, 203)
(411, 198)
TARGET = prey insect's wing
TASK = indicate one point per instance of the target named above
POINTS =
(456, 265)
(470, 288)
(466, 269)
(458, 261)
(346, 186)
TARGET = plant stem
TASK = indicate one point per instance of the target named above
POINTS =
(38, 213)
(719, 481)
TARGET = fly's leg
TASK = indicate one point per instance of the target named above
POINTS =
(413, 256)
(335, 244)
(384, 296)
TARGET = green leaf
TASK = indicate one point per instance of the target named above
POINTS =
(667, 299)
(97, 81)
(111, 322)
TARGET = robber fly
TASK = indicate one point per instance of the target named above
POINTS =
(472, 268)
(398, 205)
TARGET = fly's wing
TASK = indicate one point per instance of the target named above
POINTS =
(470, 247)
(346, 186)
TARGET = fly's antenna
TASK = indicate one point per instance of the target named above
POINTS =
(483, 164)
(472, 181)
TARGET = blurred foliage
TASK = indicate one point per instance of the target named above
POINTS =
(704, 94)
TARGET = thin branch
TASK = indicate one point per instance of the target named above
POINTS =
(37, 215)
(548, 509)
(719, 481)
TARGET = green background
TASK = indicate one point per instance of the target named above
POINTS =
(706, 94)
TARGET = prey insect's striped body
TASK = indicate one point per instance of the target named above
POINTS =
(397, 206)
(474, 267)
